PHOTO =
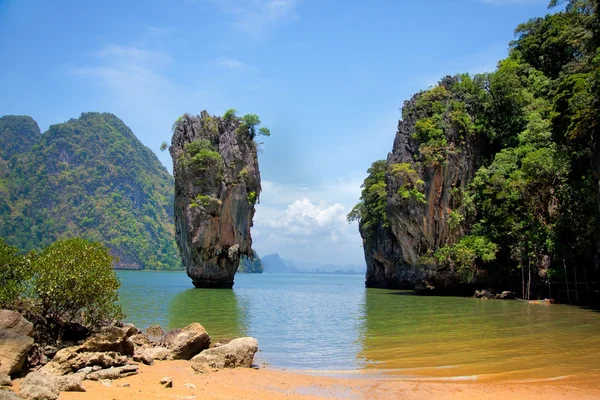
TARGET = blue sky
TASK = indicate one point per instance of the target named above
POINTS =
(327, 77)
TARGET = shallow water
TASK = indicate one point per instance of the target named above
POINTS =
(332, 323)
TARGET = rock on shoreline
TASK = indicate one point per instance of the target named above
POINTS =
(111, 353)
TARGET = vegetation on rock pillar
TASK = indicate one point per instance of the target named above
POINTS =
(217, 184)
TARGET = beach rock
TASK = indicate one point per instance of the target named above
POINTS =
(505, 295)
(189, 386)
(15, 322)
(185, 343)
(167, 382)
(5, 380)
(143, 358)
(140, 340)
(70, 383)
(71, 359)
(113, 373)
(6, 394)
(112, 338)
(237, 353)
(155, 333)
(217, 184)
(39, 386)
(14, 347)
(154, 353)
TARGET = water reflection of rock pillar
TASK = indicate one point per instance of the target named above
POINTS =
(221, 312)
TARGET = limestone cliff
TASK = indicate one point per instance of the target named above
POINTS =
(217, 182)
(433, 158)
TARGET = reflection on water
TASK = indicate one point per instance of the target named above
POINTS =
(449, 337)
(329, 322)
(219, 311)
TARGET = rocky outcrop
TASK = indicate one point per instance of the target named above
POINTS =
(185, 343)
(15, 341)
(424, 178)
(237, 353)
(217, 183)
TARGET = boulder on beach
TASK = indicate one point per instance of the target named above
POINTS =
(15, 341)
(185, 343)
(237, 353)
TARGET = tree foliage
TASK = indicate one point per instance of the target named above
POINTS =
(532, 207)
(88, 177)
(371, 209)
(74, 281)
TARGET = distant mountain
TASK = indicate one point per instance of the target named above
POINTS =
(88, 177)
(274, 264)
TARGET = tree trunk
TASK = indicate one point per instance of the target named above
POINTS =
(567, 281)
(529, 282)
(523, 282)
(587, 286)
(576, 286)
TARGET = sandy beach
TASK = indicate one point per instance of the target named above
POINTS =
(268, 383)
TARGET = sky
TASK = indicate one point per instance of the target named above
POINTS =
(328, 78)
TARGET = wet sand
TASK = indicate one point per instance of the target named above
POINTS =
(268, 383)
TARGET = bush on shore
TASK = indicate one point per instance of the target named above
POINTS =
(69, 282)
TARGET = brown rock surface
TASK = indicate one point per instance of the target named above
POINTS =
(15, 341)
(237, 353)
(185, 343)
(217, 182)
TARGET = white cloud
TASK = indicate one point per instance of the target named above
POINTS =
(256, 17)
(309, 224)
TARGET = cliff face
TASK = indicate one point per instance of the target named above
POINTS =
(217, 182)
(433, 158)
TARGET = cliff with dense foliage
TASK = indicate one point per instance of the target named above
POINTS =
(88, 177)
(217, 183)
(493, 179)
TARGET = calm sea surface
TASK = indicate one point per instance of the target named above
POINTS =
(331, 323)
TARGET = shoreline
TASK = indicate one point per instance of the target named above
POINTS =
(265, 383)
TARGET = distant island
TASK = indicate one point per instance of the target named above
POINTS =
(274, 264)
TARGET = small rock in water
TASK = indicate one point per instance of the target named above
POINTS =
(189, 386)
(166, 382)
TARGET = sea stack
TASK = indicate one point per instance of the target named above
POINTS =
(217, 183)
(422, 184)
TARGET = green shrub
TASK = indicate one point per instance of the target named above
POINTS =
(251, 197)
(15, 270)
(74, 281)
(230, 114)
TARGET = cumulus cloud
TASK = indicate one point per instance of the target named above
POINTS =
(304, 218)
(292, 222)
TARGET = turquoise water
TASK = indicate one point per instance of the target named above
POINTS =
(332, 323)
